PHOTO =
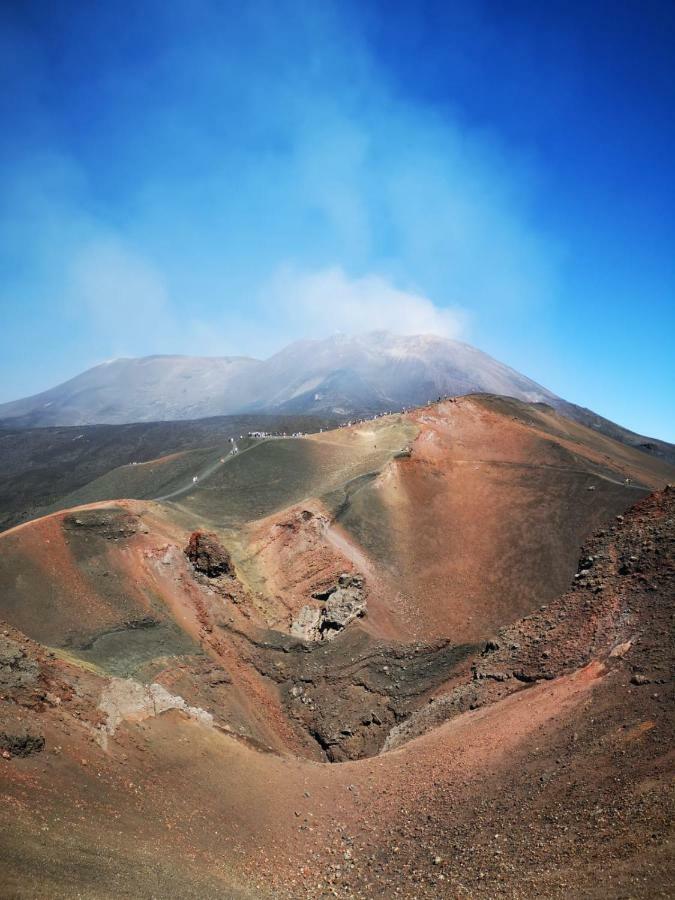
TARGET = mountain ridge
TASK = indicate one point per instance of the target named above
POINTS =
(342, 375)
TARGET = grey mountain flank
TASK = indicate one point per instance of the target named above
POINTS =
(341, 376)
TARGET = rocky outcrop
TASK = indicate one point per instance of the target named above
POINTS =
(342, 603)
(208, 556)
(124, 698)
(618, 611)
(110, 523)
(17, 669)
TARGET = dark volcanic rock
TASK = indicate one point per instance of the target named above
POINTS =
(349, 708)
(208, 555)
(22, 743)
(110, 523)
(17, 670)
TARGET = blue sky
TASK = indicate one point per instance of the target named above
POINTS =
(219, 178)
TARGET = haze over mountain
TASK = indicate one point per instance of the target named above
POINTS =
(342, 375)
(338, 376)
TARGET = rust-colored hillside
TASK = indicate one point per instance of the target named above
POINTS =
(422, 656)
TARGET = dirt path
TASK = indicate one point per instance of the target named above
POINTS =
(339, 540)
(568, 469)
(204, 474)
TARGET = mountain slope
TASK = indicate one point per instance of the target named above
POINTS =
(462, 515)
(380, 371)
(341, 374)
(149, 389)
(39, 466)
(167, 730)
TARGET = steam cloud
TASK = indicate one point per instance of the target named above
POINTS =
(260, 179)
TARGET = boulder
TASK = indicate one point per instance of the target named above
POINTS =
(343, 602)
(208, 555)
(342, 607)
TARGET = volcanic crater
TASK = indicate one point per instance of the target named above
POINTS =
(467, 607)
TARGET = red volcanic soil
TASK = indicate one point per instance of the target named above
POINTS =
(499, 724)
(478, 526)
(483, 522)
(47, 575)
(292, 556)
(111, 584)
(529, 794)
(289, 559)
